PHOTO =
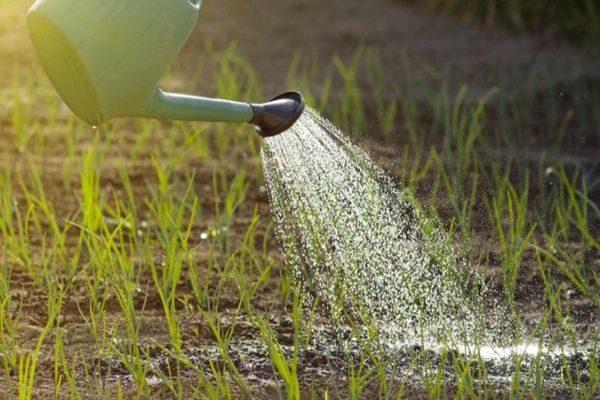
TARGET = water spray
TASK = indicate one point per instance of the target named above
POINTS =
(106, 57)
(355, 243)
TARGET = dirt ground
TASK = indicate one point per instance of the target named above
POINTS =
(269, 33)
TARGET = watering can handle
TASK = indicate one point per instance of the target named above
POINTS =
(170, 106)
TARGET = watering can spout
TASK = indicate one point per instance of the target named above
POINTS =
(179, 107)
(270, 118)
(106, 57)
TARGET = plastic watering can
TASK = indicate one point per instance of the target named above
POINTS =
(106, 57)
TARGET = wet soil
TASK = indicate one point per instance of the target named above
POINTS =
(321, 364)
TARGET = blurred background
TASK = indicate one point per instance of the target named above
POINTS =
(519, 48)
(479, 43)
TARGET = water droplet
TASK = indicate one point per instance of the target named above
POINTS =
(355, 244)
(349, 233)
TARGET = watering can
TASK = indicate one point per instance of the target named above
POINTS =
(106, 57)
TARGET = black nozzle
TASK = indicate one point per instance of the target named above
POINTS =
(278, 114)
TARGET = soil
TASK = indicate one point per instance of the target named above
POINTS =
(269, 33)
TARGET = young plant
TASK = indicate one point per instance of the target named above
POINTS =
(513, 229)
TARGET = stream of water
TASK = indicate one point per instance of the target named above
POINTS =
(357, 245)
(362, 253)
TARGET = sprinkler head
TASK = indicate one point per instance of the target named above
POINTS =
(278, 114)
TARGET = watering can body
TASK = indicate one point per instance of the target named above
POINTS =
(106, 57)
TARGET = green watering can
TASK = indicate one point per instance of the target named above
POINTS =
(105, 58)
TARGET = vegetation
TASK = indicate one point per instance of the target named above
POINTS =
(135, 257)
(578, 20)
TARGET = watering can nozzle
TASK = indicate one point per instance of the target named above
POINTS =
(278, 114)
